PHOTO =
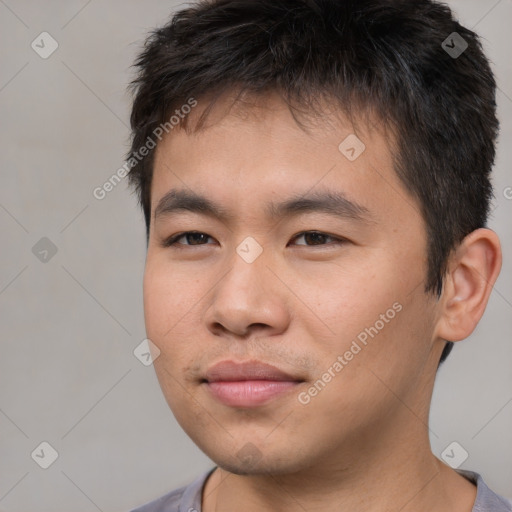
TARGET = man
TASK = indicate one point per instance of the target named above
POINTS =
(315, 208)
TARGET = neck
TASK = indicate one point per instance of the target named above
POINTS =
(394, 470)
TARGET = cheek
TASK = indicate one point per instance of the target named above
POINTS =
(169, 295)
(172, 298)
(370, 316)
(344, 300)
(157, 300)
(359, 382)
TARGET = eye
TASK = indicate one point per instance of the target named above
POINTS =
(191, 237)
(311, 238)
(316, 238)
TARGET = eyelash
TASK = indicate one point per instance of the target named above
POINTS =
(172, 241)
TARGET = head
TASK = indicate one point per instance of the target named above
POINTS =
(345, 120)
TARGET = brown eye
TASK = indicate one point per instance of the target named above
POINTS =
(312, 238)
(191, 237)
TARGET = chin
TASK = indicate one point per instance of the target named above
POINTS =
(250, 460)
(262, 468)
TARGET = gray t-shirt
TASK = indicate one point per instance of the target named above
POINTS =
(188, 498)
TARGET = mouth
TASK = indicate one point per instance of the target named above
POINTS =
(248, 383)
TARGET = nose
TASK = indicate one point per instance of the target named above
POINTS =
(249, 300)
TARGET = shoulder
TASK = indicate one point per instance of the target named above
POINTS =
(486, 500)
(167, 503)
(184, 499)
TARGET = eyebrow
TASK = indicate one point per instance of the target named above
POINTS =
(330, 202)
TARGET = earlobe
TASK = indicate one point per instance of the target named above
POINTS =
(472, 271)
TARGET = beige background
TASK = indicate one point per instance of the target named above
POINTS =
(69, 326)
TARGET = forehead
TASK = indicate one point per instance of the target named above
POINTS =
(254, 148)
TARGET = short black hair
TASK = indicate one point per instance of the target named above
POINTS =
(388, 57)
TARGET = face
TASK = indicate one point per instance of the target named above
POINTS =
(294, 314)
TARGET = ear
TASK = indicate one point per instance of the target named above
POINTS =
(472, 271)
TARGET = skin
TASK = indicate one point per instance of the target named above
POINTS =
(362, 442)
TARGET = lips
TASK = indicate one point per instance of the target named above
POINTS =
(247, 384)
(228, 371)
